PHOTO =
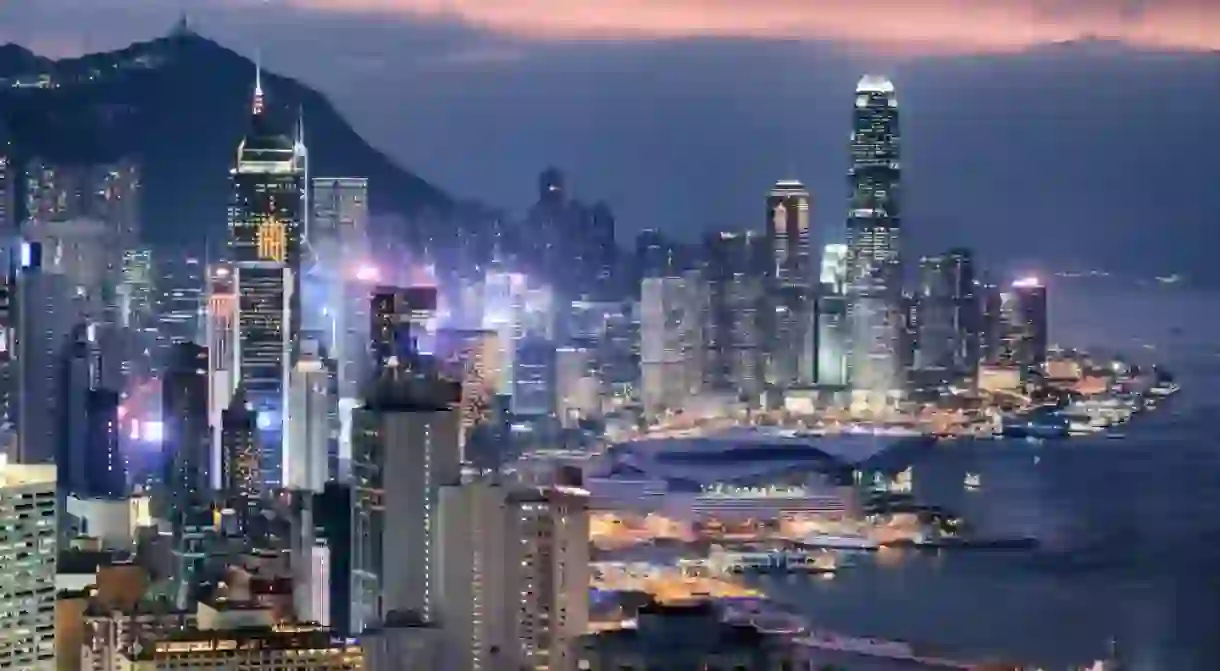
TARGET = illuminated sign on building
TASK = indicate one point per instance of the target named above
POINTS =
(272, 240)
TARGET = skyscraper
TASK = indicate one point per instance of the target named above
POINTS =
(1025, 330)
(45, 316)
(242, 460)
(8, 203)
(186, 438)
(339, 237)
(671, 340)
(735, 275)
(405, 446)
(27, 560)
(306, 460)
(833, 334)
(874, 264)
(220, 338)
(138, 287)
(267, 226)
(790, 356)
(399, 320)
(949, 316)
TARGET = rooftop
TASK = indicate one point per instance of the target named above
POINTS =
(21, 475)
(875, 84)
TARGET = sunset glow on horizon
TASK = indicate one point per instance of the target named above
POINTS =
(931, 26)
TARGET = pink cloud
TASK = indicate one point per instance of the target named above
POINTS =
(907, 25)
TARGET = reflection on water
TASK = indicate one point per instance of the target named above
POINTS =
(1130, 528)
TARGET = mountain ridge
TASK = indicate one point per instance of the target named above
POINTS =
(180, 105)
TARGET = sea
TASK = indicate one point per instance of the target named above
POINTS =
(1129, 528)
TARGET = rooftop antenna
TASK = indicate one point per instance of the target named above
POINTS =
(258, 81)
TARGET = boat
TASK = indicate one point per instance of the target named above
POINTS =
(1165, 388)
(838, 542)
(973, 482)
(1047, 425)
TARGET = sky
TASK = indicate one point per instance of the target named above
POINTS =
(681, 113)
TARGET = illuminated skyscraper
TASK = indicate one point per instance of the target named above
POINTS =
(220, 336)
(339, 239)
(406, 445)
(874, 268)
(833, 334)
(671, 341)
(949, 316)
(790, 356)
(138, 287)
(186, 442)
(1025, 330)
(309, 421)
(267, 227)
(735, 274)
(8, 204)
(399, 321)
(44, 319)
(27, 560)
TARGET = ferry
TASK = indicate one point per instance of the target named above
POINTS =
(767, 502)
(973, 482)
(1165, 388)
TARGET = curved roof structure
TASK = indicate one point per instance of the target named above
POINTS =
(875, 84)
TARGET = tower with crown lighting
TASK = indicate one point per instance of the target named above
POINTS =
(267, 238)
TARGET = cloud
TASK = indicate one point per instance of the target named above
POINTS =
(908, 25)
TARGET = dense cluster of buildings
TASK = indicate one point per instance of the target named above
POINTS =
(286, 454)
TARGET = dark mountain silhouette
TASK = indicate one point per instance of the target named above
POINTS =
(180, 105)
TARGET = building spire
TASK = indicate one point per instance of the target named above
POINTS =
(258, 82)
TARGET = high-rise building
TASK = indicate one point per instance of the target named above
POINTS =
(1025, 331)
(472, 356)
(91, 212)
(45, 316)
(671, 340)
(339, 237)
(405, 446)
(948, 313)
(790, 273)
(180, 289)
(833, 333)
(138, 287)
(186, 434)
(992, 327)
(400, 320)
(107, 192)
(105, 469)
(503, 305)
(220, 340)
(475, 548)
(306, 458)
(28, 510)
(267, 228)
(514, 574)
(534, 377)
(8, 198)
(576, 384)
(242, 460)
(550, 576)
(733, 330)
(333, 512)
(874, 263)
